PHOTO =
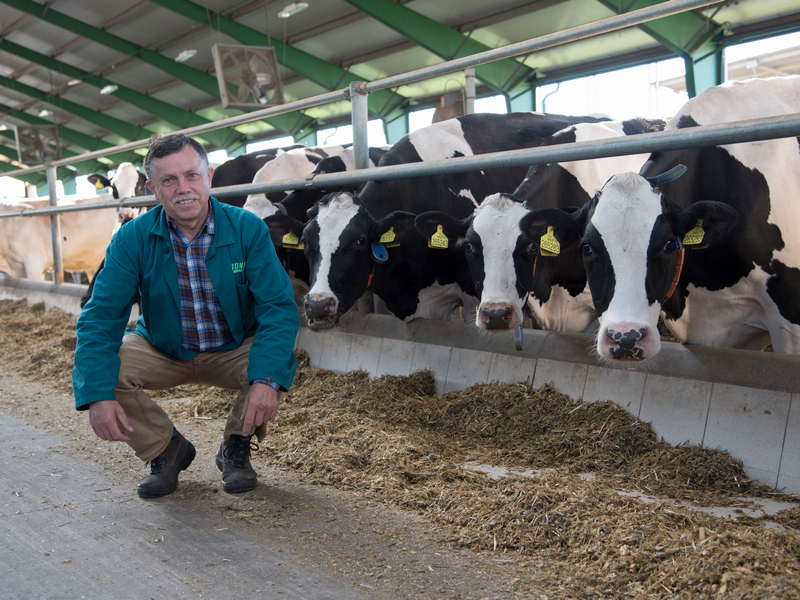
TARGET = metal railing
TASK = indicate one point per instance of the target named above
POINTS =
(746, 131)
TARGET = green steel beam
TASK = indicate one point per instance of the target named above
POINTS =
(129, 133)
(171, 114)
(328, 76)
(87, 142)
(688, 35)
(195, 77)
(89, 166)
(501, 75)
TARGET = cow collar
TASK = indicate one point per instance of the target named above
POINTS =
(678, 269)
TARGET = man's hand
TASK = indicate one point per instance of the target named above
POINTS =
(105, 417)
(260, 406)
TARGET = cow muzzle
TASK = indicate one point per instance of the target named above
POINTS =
(627, 342)
(321, 311)
(497, 317)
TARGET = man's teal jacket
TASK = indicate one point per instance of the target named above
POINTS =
(253, 289)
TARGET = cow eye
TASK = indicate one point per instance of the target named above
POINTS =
(361, 241)
(586, 248)
(467, 246)
(671, 245)
(531, 248)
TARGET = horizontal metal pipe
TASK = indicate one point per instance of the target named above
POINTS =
(676, 139)
(608, 25)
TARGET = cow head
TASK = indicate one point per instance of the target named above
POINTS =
(126, 182)
(631, 238)
(504, 256)
(344, 244)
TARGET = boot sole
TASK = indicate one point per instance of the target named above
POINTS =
(150, 493)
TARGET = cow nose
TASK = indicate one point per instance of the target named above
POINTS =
(497, 317)
(627, 343)
(317, 307)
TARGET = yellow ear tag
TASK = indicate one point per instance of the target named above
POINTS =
(290, 240)
(438, 239)
(695, 236)
(389, 237)
(98, 184)
(548, 245)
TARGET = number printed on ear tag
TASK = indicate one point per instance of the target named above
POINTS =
(438, 239)
(290, 239)
(694, 236)
(548, 245)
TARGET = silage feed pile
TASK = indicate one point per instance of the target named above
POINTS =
(583, 493)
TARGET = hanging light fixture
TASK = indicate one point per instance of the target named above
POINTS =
(44, 112)
(185, 55)
(109, 89)
(292, 9)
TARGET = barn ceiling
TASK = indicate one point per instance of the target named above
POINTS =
(56, 56)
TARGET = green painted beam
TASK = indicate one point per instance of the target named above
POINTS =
(688, 35)
(87, 142)
(87, 166)
(328, 76)
(171, 114)
(501, 75)
(130, 133)
(195, 77)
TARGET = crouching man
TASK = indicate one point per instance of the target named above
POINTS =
(216, 309)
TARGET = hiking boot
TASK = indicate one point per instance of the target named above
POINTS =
(164, 469)
(233, 459)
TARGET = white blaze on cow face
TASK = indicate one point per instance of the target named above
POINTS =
(496, 224)
(332, 219)
(125, 180)
(623, 220)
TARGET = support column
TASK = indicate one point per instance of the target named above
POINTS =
(55, 226)
(359, 115)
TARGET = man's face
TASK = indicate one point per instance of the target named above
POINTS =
(181, 183)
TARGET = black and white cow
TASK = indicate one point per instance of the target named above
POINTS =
(507, 267)
(339, 239)
(729, 222)
(127, 181)
(242, 169)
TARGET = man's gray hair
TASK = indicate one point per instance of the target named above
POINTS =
(172, 144)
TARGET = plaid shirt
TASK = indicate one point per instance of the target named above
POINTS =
(202, 321)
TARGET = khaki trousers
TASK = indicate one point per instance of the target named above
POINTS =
(143, 367)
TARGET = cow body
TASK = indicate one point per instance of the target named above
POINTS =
(26, 247)
(339, 240)
(734, 210)
(242, 169)
(504, 259)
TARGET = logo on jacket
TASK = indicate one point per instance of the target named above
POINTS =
(238, 267)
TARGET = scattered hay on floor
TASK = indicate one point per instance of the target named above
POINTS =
(588, 497)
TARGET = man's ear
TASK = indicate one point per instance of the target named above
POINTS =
(705, 223)
(439, 225)
(285, 231)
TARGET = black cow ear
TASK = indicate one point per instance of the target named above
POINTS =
(392, 228)
(705, 223)
(554, 229)
(99, 181)
(437, 224)
(285, 231)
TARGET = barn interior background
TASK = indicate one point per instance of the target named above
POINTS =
(78, 77)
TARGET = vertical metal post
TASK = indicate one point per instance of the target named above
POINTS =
(55, 226)
(360, 117)
(469, 91)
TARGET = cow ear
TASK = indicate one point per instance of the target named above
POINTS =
(285, 231)
(141, 188)
(436, 223)
(554, 229)
(99, 181)
(705, 223)
(392, 228)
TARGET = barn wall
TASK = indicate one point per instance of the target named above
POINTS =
(734, 400)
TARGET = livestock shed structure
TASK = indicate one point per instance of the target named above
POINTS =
(740, 401)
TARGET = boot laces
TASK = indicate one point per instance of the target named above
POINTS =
(237, 450)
